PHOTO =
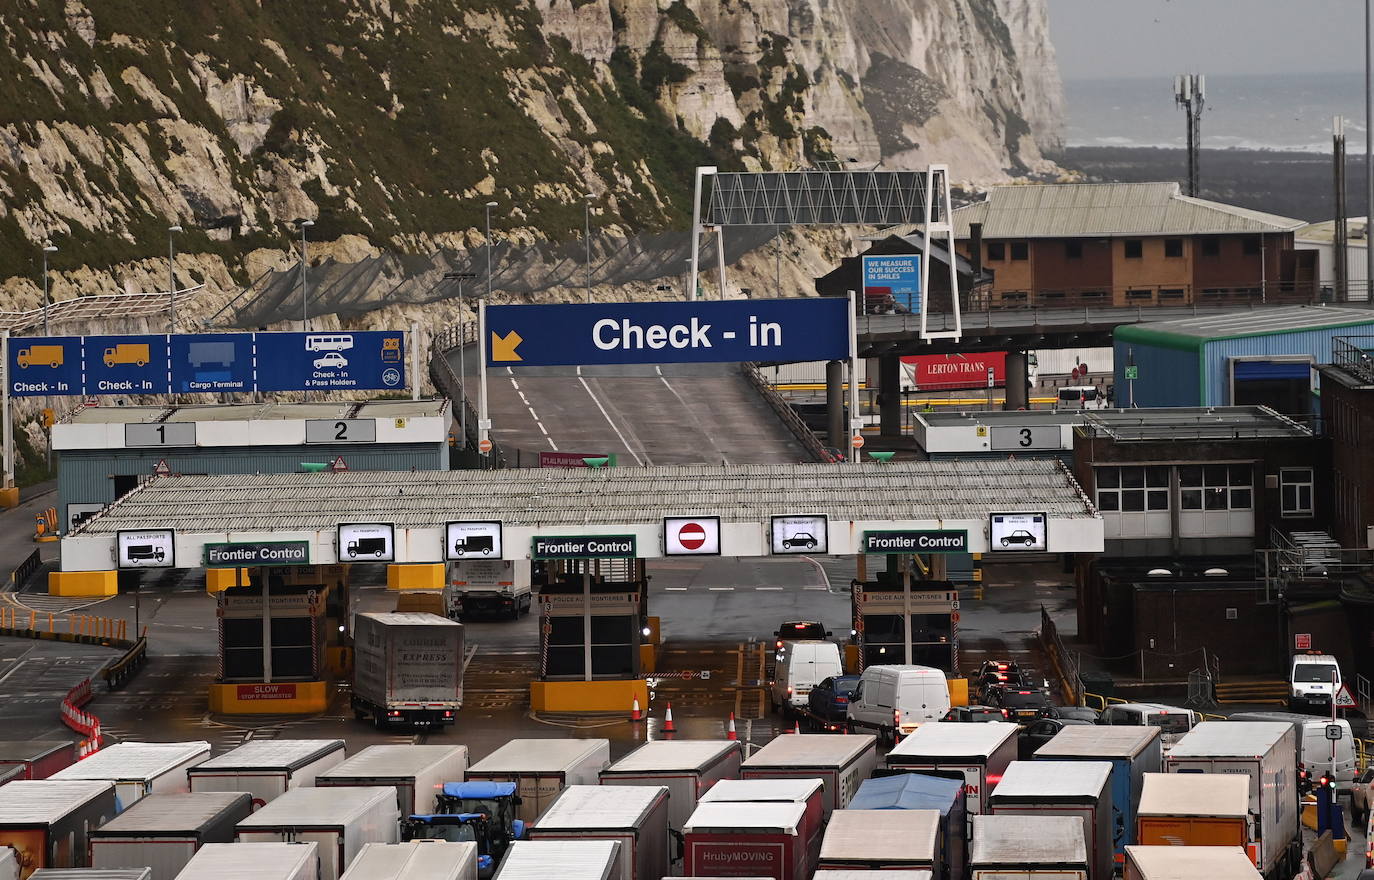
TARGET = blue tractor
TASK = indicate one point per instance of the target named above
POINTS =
(481, 812)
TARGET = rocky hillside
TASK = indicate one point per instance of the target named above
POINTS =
(393, 121)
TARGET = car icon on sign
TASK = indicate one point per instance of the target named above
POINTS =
(330, 359)
(800, 539)
(1020, 536)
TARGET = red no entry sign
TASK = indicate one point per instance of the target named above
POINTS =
(691, 536)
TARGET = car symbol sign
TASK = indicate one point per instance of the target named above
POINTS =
(691, 536)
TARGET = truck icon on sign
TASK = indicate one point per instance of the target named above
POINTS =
(474, 544)
(146, 551)
(218, 353)
(364, 546)
(40, 355)
(127, 353)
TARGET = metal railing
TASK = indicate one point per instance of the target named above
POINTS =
(983, 298)
(120, 671)
(1065, 664)
(447, 382)
(1355, 355)
(25, 570)
(789, 417)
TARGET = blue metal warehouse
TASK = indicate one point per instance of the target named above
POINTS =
(1261, 357)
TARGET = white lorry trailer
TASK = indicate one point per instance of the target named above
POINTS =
(541, 768)
(561, 859)
(46, 821)
(1171, 862)
(139, 769)
(260, 861)
(417, 772)
(164, 831)
(418, 860)
(884, 840)
(268, 767)
(841, 762)
(407, 669)
(687, 767)
(978, 754)
(1064, 788)
(489, 587)
(1010, 847)
(340, 820)
(637, 816)
(1266, 752)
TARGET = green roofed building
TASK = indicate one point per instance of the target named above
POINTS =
(1260, 357)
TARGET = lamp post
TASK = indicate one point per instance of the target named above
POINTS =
(587, 237)
(489, 206)
(171, 277)
(305, 302)
(47, 249)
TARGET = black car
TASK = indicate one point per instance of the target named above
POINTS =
(1021, 704)
(995, 674)
(1039, 732)
(1076, 713)
(975, 714)
(799, 630)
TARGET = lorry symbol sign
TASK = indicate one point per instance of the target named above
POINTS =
(472, 540)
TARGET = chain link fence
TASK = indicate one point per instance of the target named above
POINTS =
(348, 289)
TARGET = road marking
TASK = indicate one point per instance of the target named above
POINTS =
(773, 589)
(815, 587)
(721, 589)
(675, 589)
(523, 399)
(640, 461)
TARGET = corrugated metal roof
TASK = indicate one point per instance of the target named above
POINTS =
(1194, 794)
(274, 754)
(890, 835)
(401, 759)
(1250, 322)
(563, 859)
(1080, 210)
(584, 496)
(810, 750)
(171, 813)
(667, 755)
(47, 800)
(600, 807)
(1053, 779)
(540, 755)
(1192, 423)
(1325, 231)
(1028, 840)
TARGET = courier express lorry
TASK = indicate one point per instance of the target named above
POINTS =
(407, 669)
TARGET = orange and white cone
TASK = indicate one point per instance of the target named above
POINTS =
(796, 727)
(730, 733)
(668, 720)
(635, 713)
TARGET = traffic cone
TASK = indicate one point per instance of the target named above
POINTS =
(635, 713)
(796, 727)
(730, 733)
(668, 720)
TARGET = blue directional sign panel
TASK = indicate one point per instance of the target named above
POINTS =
(206, 362)
(45, 365)
(668, 332)
(213, 362)
(894, 276)
(332, 361)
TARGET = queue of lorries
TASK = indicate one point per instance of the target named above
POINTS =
(950, 801)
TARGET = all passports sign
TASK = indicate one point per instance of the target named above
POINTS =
(917, 541)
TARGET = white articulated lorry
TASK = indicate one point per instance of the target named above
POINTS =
(266, 768)
(164, 831)
(407, 669)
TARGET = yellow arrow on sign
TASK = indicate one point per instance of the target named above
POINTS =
(503, 347)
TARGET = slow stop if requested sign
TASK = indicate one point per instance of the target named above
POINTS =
(691, 536)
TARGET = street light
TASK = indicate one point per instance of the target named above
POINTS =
(490, 205)
(587, 237)
(171, 276)
(47, 249)
(305, 308)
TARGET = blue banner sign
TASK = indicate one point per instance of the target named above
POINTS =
(812, 329)
(894, 278)
(206, 362)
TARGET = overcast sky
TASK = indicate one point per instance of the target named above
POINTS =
(1103, 38)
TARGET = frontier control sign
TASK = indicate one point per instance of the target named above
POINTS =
(729, 331)
(584, 547)
(257, 553)
(924, 541)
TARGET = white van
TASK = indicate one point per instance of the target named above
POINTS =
(1314, 746)
(801, 666)
(896, 700)
(1313, 682)
(1172, 721)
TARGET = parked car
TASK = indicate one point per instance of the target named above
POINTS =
(975, 714)
(1173, 721)
(1077, 713)
(801, 666)
(1021, 705)
(799, 630)
(1360, 797)
(1041, 731)
(996, 673)
(830, 699)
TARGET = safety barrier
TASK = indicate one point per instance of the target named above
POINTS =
(447, 383)
(120, 671)
(789, 417)
(27, 622)
(82, 722)
(1064, 664)
(1099, 702)
(25, 570)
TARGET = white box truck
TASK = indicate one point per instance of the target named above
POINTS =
(417, 772)
(163, 831)
(561, 860)
(808, 793)
(1009, 847)
(687, 767)
(637, 816)
(541, 768)
(1266, 752)
(340, 820)
(46, 821)
(1170, 862)
(489, 587)
(260, 861)
(1064, 788)
(978, 754)
(266, 768)
(841, 762)
(418, 860)
(407, 669)
(139, 769)
(884, 840)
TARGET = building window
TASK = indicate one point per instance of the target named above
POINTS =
(1135, 249)
(1211, 246)
(1295, 491)
(1173, 247)
(1133, 489)
(1020, 250)
(997, 252)
(1073, 250)
(1216, 487)
(1251, 247)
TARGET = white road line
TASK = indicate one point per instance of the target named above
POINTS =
(514, 384)
(721, 589)
(675, 589)
(769, 589)
(607, 416)
(523, 399)
(810, 587)
(545, 432)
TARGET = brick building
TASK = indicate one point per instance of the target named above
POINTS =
(1130, 244)
(1347, 404)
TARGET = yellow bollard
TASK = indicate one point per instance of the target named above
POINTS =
(50, 629)
(33, 619)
